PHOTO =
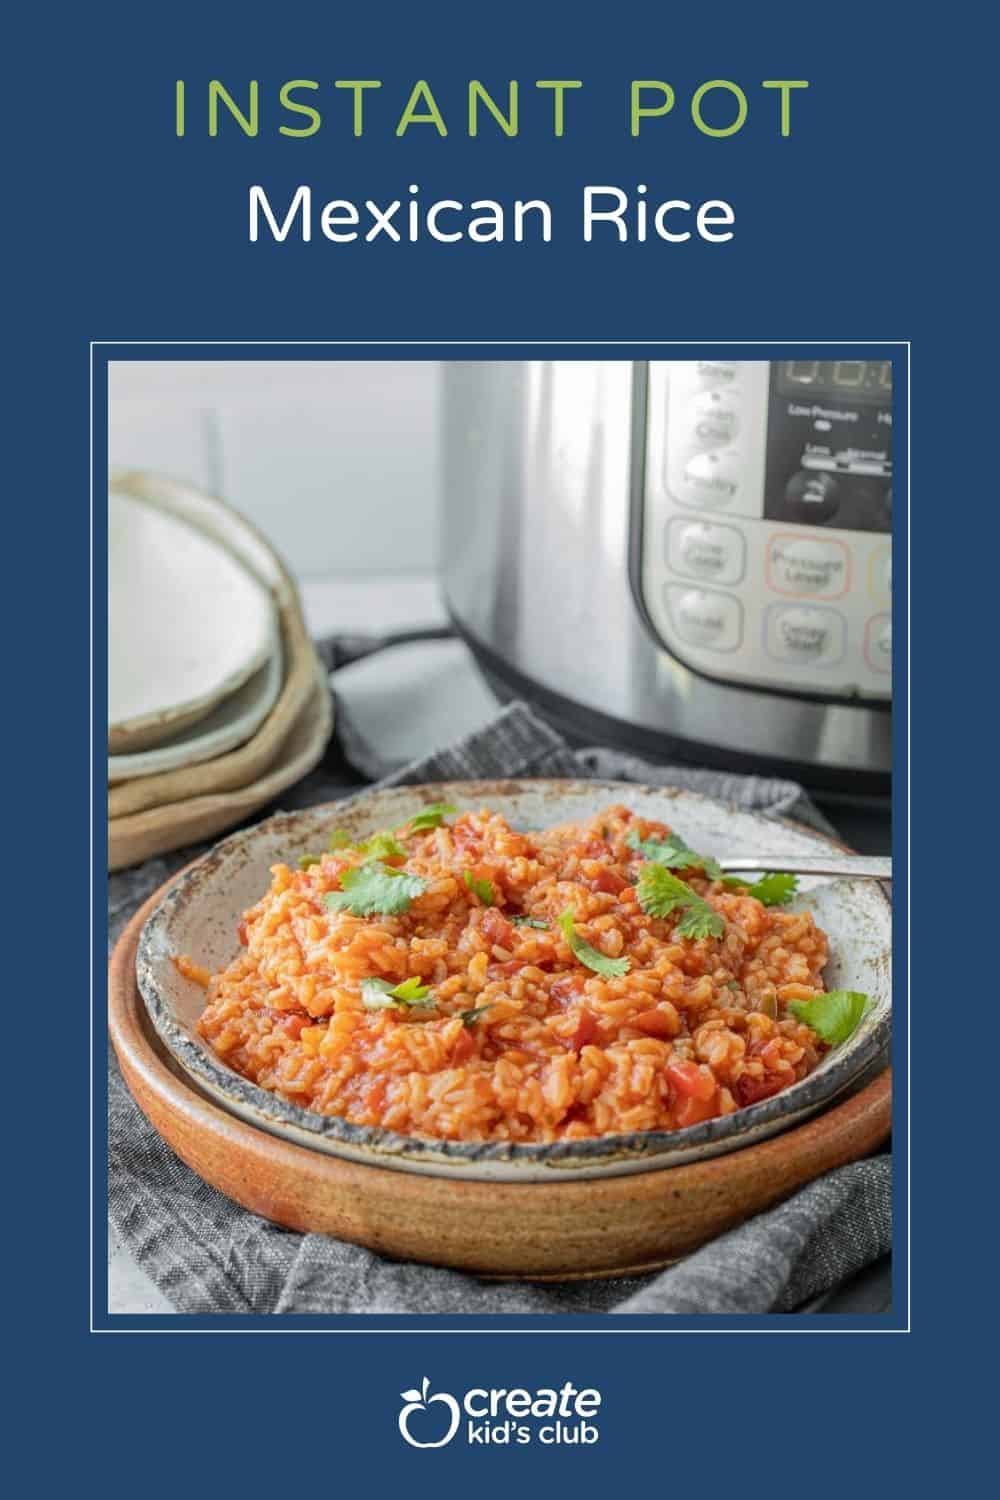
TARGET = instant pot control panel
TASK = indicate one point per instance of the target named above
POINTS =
(766, 549)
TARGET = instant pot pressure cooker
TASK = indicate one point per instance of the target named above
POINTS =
(688, 558)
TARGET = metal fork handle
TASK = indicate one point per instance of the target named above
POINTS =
(864, 866)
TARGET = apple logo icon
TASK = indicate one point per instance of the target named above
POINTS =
(418, 1401)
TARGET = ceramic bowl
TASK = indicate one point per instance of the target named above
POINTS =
(199, 916)
(188, 624)
(230, 723)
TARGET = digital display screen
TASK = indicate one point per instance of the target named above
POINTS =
(829, 444)
(869, 379)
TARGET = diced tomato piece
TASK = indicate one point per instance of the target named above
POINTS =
(507, 968)
(693, 1111)
(608, 882)
(464, 1047)
(241, 932)
(497, 931)
(586, 1030)
(655, 1023)
(687, 1078)
(567, 987)
(750, 1090)
(294, 1024)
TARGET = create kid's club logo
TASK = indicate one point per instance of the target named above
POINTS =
(428, 1429)
(500, 1417)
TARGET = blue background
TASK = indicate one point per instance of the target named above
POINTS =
(872, 223)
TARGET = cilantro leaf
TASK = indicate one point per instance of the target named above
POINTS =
(372, 887)
(523, 921)
(610, 968)
(431, 816)
(339, 839)
(700, 921)
(833, 1016)
(661, 893)
(382, 846)
(481, 888)
(306, 861)
(776, 889)
(675, 854)
(379, 994)
(470, 1017)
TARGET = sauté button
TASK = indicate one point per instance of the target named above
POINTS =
(709, 480)
(806, 635)
(701, 549)
(704, 618)
(807, 566)
(811, 496)
(878, 643)
(712, 419)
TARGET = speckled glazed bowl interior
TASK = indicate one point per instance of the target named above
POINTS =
(199, 917)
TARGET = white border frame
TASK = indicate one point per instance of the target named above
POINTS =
(492, 344)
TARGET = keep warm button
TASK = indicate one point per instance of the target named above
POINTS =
(704, 618)
(807, 566)
(808, 636)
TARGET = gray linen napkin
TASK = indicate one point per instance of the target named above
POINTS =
(208, 1255)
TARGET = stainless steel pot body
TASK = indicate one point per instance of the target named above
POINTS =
(551, 568)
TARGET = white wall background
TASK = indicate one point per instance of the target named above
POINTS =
(336, 461)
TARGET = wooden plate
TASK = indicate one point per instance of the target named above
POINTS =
(157, 829)
(604, 1227)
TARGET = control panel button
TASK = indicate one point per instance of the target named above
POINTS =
(704, 618)
(811, 496)
(718, 371)
(709, 480)
(880, 575)
(805, 635)
(703, 550)
(878, 643)
(808, 567)
(712, 419)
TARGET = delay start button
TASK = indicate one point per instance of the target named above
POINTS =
(702, 617)
(704, 550)
(807, 566)
(805, 635)
(709, 480)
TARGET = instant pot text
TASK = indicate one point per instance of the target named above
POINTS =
(353, 109)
